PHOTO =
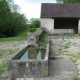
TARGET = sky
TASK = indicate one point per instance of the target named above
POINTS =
(31, 8)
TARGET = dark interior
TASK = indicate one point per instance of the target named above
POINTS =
(66, 23)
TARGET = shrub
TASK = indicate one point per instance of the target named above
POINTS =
(32, 29)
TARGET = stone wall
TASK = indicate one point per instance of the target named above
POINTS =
(27, 69)
(63, 31)
(48, 24)
(33, 37)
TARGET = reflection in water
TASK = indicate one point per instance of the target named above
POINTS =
(39, 55)
(24, 56)
(33, 54)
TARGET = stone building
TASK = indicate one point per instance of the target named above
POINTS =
(56, 17)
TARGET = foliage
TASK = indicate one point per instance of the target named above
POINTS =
(11, 22)
(4, 57)
(2, 68)
(20, 37)
(43, 39)
(32, 29)
(18, 24)
(68, 1)
(34, 23)
(5, 15)
(76, 78)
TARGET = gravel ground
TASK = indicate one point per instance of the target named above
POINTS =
(67, 45)
(10, 47)
(13, 45)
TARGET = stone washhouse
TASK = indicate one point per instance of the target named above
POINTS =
(60, 18)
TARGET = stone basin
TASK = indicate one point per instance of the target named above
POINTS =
(29, 63)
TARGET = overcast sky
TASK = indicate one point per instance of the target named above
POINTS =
(32, 8)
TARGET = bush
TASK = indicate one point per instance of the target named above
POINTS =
(32, 29)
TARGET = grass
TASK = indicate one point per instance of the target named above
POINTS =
(4, 55)
(76, 78)
(75, 56)
(37, 29)
(20, 37)
(33, 29)
(3, 67)
(43, 39)
(66, 47)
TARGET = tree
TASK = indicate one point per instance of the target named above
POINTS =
(11, 21)
(18, 24)
(68, 1)
(5, 16)
(34, 23)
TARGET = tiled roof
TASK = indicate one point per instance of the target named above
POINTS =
(51, 10)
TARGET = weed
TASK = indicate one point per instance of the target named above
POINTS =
(66, 47)
(76, 56)
(76, 78)
(4, 54)
(3, 67)
(43, 39)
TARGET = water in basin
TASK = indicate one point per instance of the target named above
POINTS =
(33, 54)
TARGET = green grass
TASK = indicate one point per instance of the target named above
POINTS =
(3, 67)
(33, 29)
(37, 29)
(76, 78)
(66, 47)
(20, 37)
(43, 39)
(77, 56)
(4, 55)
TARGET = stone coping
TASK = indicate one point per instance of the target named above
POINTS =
(33, 37)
